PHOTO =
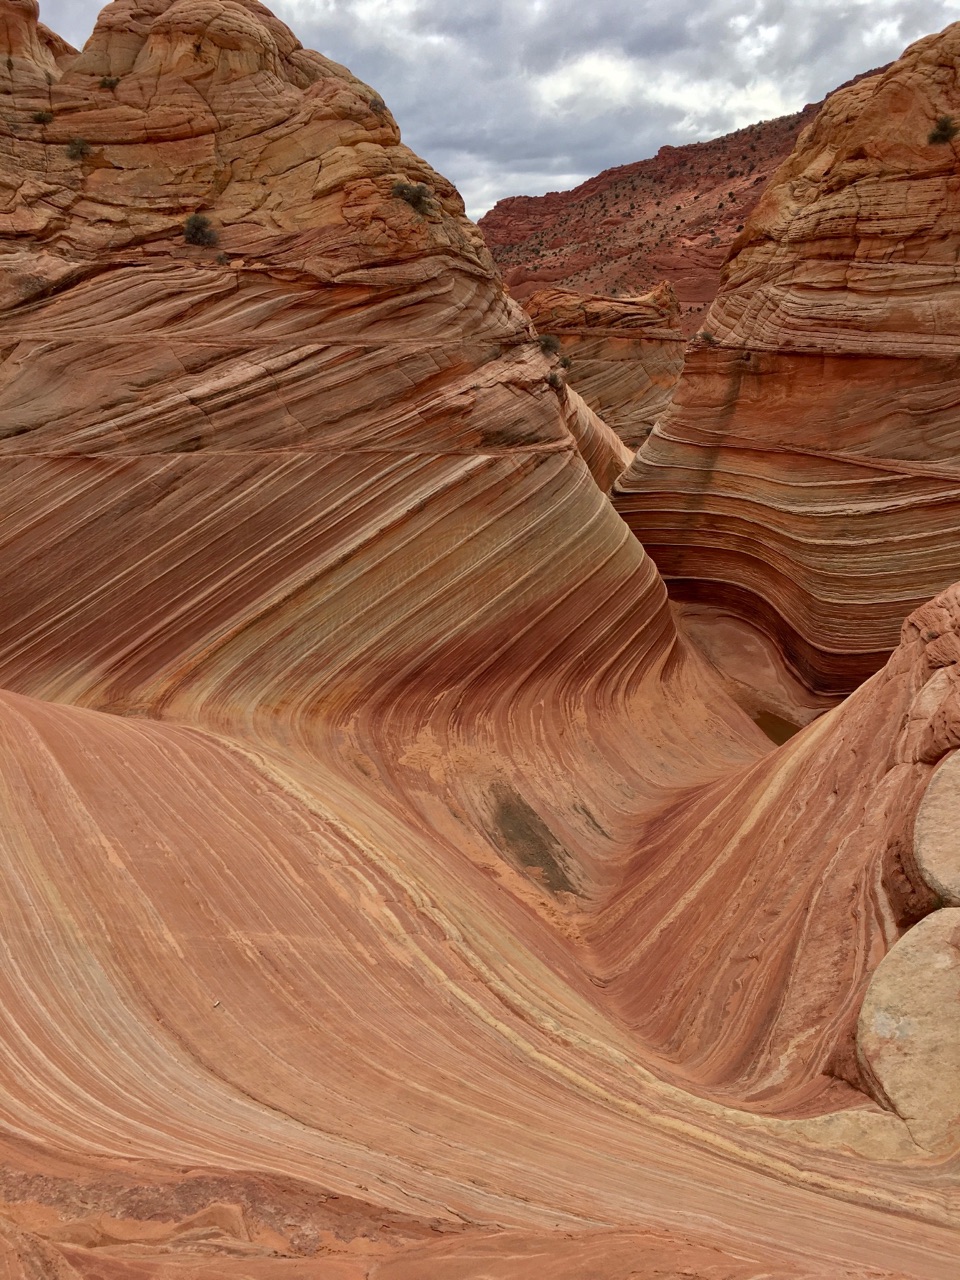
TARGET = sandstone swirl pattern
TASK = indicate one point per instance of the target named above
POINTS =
(625, 354)
(362, 808)
(807, 474)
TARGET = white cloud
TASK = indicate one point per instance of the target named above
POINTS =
(592, 83)
(882, 34)
(757, 42)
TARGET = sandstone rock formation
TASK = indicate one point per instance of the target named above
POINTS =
(855, 778)
(674, 217)
(388, 888)
(806, 476)
(625, 354)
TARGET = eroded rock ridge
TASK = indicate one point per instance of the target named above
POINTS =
(806, 474)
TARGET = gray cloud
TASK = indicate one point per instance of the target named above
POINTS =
(521, 96)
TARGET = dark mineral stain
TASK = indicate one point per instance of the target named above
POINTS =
(523, 834)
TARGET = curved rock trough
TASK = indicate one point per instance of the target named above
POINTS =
(389, 889)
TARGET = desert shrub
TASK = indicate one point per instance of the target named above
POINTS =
(223, 259)
(109, 82)
(549, 345)
(42, 117)
(566, 362)
(198, 230)
(77, 149)
(554, 380)
(708, 337)
(416, 194)
(943, 131)
(378, 105)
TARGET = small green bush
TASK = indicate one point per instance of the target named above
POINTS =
(707, 337)
(416, 194)
(554, 380)
(42, 117)
(549, 345)
(198, 230)
(109, 82)
(223, 259)
(943, 131)
(78, 149)
(566, 362)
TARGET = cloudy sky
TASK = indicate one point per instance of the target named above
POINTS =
(510, 97)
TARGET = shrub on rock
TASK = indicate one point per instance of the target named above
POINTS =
(199, 230)
(416, 194)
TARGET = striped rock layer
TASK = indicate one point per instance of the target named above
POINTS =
(807, 475)
(387, 888)
(625, 354)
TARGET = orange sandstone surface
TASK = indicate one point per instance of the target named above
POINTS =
(389, 889)
(625, 355)
(806, 477)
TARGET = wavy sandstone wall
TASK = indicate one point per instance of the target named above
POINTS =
(625, 354)
(368, 826)
(806, 476)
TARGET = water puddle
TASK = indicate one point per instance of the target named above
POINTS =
(775, 727)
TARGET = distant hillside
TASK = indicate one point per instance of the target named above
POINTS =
(672, 217)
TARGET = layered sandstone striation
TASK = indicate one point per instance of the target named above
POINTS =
(802, 898)
(806, 476)
(389, 889)
(625, 354)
